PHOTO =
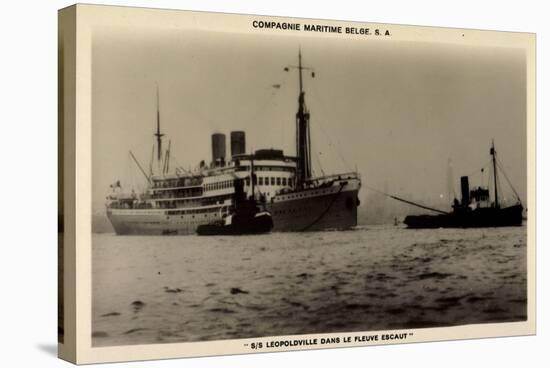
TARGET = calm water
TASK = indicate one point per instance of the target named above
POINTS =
(189, 288)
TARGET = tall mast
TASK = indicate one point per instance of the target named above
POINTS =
(158, 133)
(302, 131)
(152, 159)
(494, 154)
(300, 69)
(303, 139)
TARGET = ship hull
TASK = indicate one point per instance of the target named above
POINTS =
(333, 211)
(481, 217)
(310, 210)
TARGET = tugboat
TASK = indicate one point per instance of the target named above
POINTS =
(247, 215)
(474, 209)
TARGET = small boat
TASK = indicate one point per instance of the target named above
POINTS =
(469, 218)
(247, 219)
(246, 216)
(473, 210)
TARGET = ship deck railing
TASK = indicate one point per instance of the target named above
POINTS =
(177, 187)
(334, 177)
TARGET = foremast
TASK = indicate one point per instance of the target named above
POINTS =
(158, 134)
(303, 137)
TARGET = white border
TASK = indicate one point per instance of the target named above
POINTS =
(90, 18)
(29, 264)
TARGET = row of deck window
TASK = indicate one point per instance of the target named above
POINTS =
(218, 186)
(181, 182)
(260, 180)
(202, 202)
(267, 168)
(177, 193)
(270, 180)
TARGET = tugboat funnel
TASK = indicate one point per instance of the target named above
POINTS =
(465, 190)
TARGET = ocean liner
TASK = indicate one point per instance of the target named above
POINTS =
(177, 203)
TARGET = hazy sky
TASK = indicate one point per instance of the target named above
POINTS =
(396, 111)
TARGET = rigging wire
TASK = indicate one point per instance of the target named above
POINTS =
(403, 200)
(129, 168)
(319, 123)
(318, 163)
(499, 164)
(316, 156)
(491, 183)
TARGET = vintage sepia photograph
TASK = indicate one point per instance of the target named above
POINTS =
(263, 183)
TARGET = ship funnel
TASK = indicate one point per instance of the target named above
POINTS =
(465, 189)
(218, 148)
(238, 143)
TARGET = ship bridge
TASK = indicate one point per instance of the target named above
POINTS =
(273, 171)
